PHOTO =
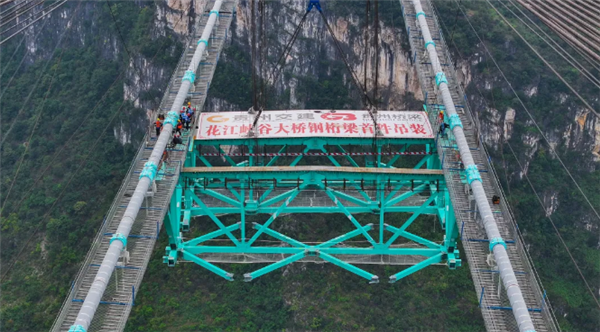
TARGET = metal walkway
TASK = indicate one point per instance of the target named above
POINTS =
(494, 304)
(119, 296)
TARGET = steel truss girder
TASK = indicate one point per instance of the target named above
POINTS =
(432, 252)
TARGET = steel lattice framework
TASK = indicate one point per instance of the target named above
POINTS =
(275, 184)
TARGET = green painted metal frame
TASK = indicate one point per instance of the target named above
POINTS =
(237, 192)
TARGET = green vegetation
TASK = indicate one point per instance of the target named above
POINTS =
(573, 304)
(73, 164)
(63, 211)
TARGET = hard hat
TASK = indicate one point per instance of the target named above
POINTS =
(442, 112)
(189, 103)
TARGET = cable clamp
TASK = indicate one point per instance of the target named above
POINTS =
(203, 41)
(149, 171)
(429, 43)
(189, 76)
(119, 237)
(171, 119)
(76, 328)
(455, 121)
(473, 174)
(421, 13)
(440, 78)
(495, 241)
(214, 12)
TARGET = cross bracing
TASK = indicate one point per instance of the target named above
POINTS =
(277, 185)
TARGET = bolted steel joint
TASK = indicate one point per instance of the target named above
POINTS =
(440, 78)
(472, 174)
(453, 260)
(189, 76)
(170, 257)
(120, 237)
(495, 241)
(149, 171)
(455, 121)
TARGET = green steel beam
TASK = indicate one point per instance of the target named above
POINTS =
(339, 184)
(427, 252)
(409, 221)
(373, 279)
(398, 199)
(390, 163)
(266, 193)
(220, 197)
(206, 163)
(413, 237)
(381, 214)
(229, 160)
(297, 160)
(198, 211)
(216, 220)
(274, 216)
(283, 173)
(423, 161)
(350, 217)
(212, 235)
(277, 198)
(173, 222)
(432, 260)
(349, 198)
(279, 236)
(274, 266)
(212, 268)
(272, 162)
(345, 237)
(349, 158)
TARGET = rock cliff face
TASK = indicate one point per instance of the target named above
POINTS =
(397, 75)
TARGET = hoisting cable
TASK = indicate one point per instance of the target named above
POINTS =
(288, 47)
(369, 104)
(352, 73)
(263, 52)
(376, 46)
(253, 56)
(277, 67)
(366, 54)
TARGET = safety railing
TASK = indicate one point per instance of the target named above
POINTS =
(98, 239)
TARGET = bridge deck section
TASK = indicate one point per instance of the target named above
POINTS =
(119, 296)
(494, 304)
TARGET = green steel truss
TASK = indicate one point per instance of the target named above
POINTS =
(351, 176)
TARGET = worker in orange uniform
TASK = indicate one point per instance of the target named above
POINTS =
(179, 126)
(159, 126)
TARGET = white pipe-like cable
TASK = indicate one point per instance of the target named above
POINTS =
(119, 240)
(497, 244)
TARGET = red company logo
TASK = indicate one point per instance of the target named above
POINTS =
(339, 116)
